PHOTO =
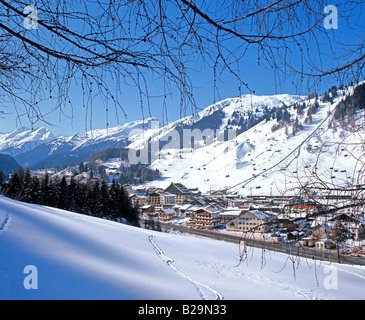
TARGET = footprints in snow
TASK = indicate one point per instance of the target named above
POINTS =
(267, 282)
(202, 288)
(4, 222)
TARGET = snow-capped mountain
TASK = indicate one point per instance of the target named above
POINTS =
(277, 142)
(235, 113)
(67, 150)
(23, 139)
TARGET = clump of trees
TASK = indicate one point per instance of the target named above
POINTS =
(346, 109)
(93, 197)
(283, 118)
(128, 173)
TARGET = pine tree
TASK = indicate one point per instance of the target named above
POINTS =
(92, 204)
(35, 187)
(127, 210)
(63, 194)
(114, 203)
(27, 194)
(104, 199)
(15, 187)
(2, 180)
(45, 191)
(79, 195)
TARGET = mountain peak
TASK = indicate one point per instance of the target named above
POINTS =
(23, 139)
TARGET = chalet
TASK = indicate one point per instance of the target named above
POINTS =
(245, 206)
(350, 222)
(234, 202)
(181, 192)
(182, 209)
(166, 214)
(302, 209)
(195, 191)
(147, 209)
(250, 221)
(138, 200)
(307, 209)
(148, 212)
(197, 201)
(206, 217)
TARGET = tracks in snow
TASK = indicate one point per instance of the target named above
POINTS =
(169, 261)
(5, 222)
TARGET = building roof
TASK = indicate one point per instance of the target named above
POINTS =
(209, 209)
(168, 211)
(146, 206)
(167, 194)
(261, 215)
(230, 212)
(179, 188)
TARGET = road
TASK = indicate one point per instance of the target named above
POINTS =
(288, 248)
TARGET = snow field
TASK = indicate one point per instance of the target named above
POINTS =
(81, 257)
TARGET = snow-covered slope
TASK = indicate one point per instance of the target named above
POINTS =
(239, 113)
(260, 161)
(70, 256)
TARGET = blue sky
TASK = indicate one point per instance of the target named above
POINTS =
(260, 79)
(78, 119)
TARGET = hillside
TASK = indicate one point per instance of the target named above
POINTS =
(270, 158)
(81, 257)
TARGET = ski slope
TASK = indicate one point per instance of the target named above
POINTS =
(262, 162)
(82, 257)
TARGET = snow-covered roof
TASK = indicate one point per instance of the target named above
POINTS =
(180, 187)
(168, 211)
(210, 209)
(261, 215)
(230, 213)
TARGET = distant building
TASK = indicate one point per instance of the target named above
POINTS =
(250, 221)
(321, 231)
(148, 212)
(182, 193)
(166, 214)
(229, 214)
(161, 198)
(138, 199)
(206, 217)
(154, 199)
(302, 209)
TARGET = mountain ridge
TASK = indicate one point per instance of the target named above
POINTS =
(40, 152)
(274, 137)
